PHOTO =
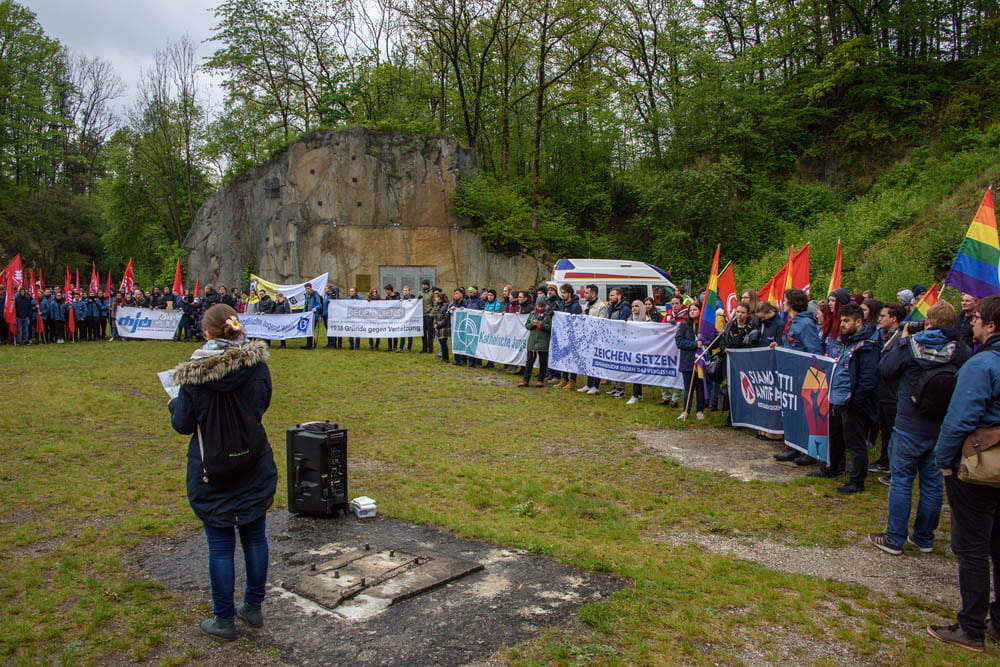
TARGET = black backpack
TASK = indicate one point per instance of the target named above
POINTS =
(933, 389)
(231, 440)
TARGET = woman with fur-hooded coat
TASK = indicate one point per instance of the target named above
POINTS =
(227, 363)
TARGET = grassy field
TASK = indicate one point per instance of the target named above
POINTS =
(90, 469)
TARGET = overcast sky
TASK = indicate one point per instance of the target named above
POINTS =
(128, 32)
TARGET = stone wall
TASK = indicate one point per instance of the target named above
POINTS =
(349, 202)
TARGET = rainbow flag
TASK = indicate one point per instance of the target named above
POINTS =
(976, 269)
(927, 299)
(706, 327)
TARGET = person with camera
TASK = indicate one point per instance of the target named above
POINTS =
(972, 417)
(924, 365)
(225, 389)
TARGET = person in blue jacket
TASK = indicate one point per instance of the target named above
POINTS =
(80, 310)
(853, 401)
(312, 303)
(975, 508)
(769, 326)
(105, 309)
(227, 363)
(801, 331)
(44, 306)
(58, 312)
(914, 434)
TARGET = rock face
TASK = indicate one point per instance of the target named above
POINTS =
(361, 205)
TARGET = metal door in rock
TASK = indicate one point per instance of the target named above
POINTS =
(398, 276)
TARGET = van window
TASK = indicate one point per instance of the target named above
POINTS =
(631, 292)
(660, 295)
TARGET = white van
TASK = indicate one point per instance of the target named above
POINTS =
(637, 280)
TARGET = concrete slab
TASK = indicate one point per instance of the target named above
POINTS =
(513, 597)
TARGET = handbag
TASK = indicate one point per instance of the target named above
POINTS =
(981, 457)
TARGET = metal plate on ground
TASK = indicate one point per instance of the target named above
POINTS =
(377, 577)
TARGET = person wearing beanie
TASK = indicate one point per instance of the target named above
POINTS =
(905, 297)
(918, 291)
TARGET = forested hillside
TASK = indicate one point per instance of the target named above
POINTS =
(647, 129)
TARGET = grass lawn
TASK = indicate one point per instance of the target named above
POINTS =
(90, 468)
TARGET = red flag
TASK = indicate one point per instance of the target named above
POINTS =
(107, 286)
(727, 290)
(15, 278)
(78, 279)
(197, 288)
(39, 324)
(795, 273)
(95, 280)
(68, 293)
(128, 280)
(835, 276)
(800, 270)
(178, 283)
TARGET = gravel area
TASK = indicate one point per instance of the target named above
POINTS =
(926, 576)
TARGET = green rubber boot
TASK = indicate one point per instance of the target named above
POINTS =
(251, 614)
(223, 629)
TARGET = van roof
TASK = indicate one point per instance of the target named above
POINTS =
(609, 270)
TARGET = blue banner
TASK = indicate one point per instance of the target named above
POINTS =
(782, 391)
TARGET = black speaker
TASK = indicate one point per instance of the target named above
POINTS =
(316, 457)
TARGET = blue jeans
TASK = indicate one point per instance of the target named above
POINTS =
(910, 456)
(23, 330)
(221, 570)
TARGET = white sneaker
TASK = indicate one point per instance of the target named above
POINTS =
(611, 393)
(60, 341)
(633, 400)
(682, 416)
(583, 390)
(593, 391)
(700, 415)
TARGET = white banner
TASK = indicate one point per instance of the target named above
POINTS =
(277, 327)
(147, 323)
(294, 293)
(641, 352)
(499, 337)
(375, 319)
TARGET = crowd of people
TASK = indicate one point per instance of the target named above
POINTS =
(890, 392)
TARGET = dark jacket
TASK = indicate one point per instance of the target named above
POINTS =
(735, 337)
(266, 305)
(242, 370)
(766, 332)
(803, 334)
(572, 306)
(539, 336)
(24, 306)
(619, 311)
(854, 381)
(442, 320)
(281, 308)
(964, 326)
(687, 343)
(888, 390)
(975, 403)
(905, 363)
